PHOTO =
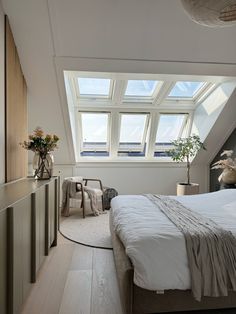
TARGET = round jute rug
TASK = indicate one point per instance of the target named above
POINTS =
(91, 231)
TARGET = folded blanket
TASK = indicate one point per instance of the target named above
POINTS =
(69, 190)
(93, 199)
(211, 250)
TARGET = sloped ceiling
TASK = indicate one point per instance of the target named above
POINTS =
(52, 35)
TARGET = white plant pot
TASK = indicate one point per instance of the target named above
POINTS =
(187, 189)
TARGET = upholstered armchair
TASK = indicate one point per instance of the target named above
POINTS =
(89, 196)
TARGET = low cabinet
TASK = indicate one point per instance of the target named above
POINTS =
(28, 228)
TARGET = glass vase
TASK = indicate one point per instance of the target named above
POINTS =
(43, 166)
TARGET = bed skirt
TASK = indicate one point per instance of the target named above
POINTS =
(136, 300)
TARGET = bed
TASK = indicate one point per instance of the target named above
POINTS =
(150, 253)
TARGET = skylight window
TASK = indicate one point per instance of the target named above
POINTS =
(140, 88)
(131, 114)
(170, 128)
(95, 134)
(94, 87)
(184, 89)
(133, 129)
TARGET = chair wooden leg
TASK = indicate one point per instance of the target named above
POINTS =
(103, 205)
(83, 208)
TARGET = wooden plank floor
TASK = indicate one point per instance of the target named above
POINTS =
(76, 279)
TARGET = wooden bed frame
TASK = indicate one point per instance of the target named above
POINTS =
(136, 300)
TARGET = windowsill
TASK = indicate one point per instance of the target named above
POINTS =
(128, 162)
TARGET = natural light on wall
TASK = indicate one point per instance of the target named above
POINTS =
(122, 117)
(209, 110)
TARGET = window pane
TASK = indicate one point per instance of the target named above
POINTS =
(94, 128)
(185, 89)
(132, 128)
(94, 86)
(141, 88)
(169, 128)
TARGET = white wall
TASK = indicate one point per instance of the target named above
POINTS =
(138, 180)
(207, 113)
(135, 178)
(2, 97)
(136, 29)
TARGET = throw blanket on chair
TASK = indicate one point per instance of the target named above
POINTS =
(69, 190)
(211, 250)
(93, 200)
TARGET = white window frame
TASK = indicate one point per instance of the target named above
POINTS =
(197, 94)
(129, 147)
(93, 96)
(93, 148)
(205, 92)
(116, 104)
(142, 99)
(186, 124)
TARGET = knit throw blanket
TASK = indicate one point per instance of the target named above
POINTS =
(211, 250)
(69, 190)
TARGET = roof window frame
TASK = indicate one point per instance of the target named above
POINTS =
(185, 125)
(93, 97)
(92, 148)
(192, 99)
(142, 99)
(115, 104)
(139, 148)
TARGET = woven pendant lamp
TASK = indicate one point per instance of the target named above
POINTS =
(212, 13)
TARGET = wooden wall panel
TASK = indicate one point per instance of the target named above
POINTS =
(16, 111)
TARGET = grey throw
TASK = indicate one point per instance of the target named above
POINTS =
(211, 250)
(69, 190)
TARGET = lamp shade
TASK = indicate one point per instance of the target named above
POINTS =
(212, 13)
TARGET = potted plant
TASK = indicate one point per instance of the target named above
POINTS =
(42, 145)
(184, 150)
(228, 175)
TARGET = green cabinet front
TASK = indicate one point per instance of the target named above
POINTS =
(20, 276)
(3, 261)
(28, 228)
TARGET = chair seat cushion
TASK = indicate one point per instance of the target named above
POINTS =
(97, 191)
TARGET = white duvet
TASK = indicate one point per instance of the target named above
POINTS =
(154, 244)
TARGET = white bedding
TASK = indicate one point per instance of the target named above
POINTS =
(154, 244)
